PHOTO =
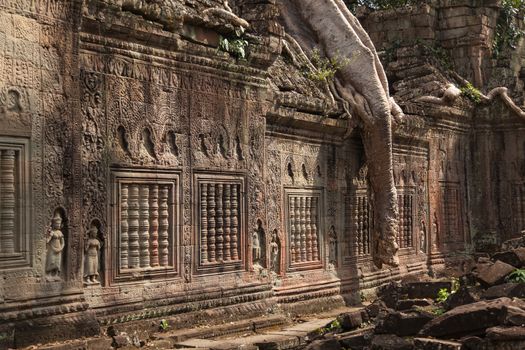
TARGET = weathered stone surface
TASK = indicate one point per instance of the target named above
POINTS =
(494, 273)
(330, 344)
(375, 308)
(472, 319)
(358, 339)
(509, 257)
(464, 295)
(402, 323)
(429, 290)
(506, 333)
(353, 319)
(509, 290)
(436, 344)
(407, 304)
(391, 342)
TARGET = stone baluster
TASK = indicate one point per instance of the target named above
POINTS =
(123, 226)
(211, 223)
(366, 226)
(235, 222)
(154, 225)
(7, 201)
(133, 227)
(144, 226)
(410, 230)
(227, 221)
(204, 223)
(308, 228)
(219, 238)
(302, 209)
(164, 243)
(297, 225)
(361, 225)
(293, 232)
(314, 229)
(401, 235)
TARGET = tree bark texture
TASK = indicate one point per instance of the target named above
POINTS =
(329, 25)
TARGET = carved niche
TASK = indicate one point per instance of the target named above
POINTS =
(303, 209)
(14, 205)
(145, 224)
(220, 229)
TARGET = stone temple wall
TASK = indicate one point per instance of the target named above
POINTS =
(146, 175)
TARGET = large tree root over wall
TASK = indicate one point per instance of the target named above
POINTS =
(363, 84)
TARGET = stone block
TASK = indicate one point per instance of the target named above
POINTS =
(391, 342)
(471, 319)
(509, 290)
(494, 274)
(436, 344)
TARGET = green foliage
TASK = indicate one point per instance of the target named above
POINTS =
(325, 68)
(516, 276)
(236, 45)
(470, 92)
(438, 53)
(508, 30)
(438, 311)
(443, 295)
(164, 325)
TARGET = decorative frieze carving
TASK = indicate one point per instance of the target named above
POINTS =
(145, 223)
(220, 226)
(303, 211)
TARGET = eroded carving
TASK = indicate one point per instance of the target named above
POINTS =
(55, 245)
(92, 249)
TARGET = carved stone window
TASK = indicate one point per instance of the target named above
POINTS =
(220, 231)
(450, 213)
(358, 220)
(303, 209)
(14, 202)
(145, 224)
(518, 201)
(406, 206)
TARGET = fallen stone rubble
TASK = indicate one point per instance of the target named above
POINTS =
(483, 309)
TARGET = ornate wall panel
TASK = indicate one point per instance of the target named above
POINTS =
(304, 228)
(451, 214)
(220, 215)
(145, 222)
(14, 202)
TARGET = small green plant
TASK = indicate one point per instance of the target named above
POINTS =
(516, 276)
(470, 92)
(164, 325)
(235, 45)
(443, 295)
(336, 324)
(325, 68)
(438, 311)
(508, 30)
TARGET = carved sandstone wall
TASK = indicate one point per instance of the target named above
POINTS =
(144, 174)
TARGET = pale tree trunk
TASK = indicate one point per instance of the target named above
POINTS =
(363, 83)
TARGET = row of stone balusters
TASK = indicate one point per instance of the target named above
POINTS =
(304, 240)
(144, 226)
(219, 222)
(7, 201)
(404, 238)
(361, 219)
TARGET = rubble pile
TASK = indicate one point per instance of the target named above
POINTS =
(482, 309)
